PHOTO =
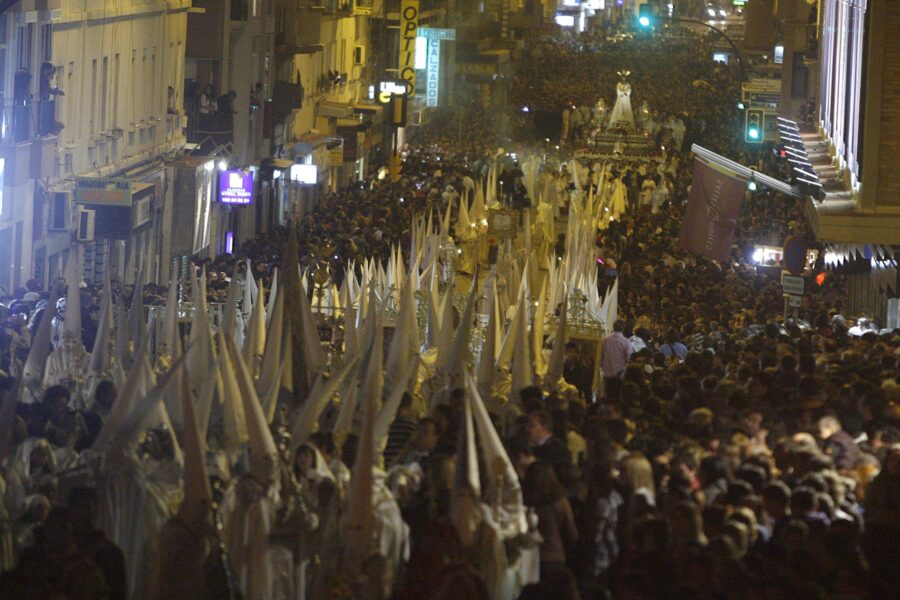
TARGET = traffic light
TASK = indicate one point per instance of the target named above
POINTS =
(398, 110)
(645, 15)
(753, 125)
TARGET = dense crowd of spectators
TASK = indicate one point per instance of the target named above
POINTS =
(732, 455)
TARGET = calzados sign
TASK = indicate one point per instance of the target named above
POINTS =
(409, 25)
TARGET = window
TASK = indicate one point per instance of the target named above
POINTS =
(92, 129)
(58, 212)
(115, 93)
(47, 43)
(359, 53)
(104, 93)
(70, 83)
(24, 40)
(154, 86)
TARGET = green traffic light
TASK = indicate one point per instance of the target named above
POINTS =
(644, 21)
(753, 133)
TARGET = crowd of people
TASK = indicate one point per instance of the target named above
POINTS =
(726, 453)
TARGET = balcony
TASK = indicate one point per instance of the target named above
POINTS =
(26, 120)
(216, 129)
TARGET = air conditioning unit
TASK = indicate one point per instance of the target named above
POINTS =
(85, 231)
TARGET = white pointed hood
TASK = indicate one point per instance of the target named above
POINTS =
(558, 355)
(610, 310)
(230, 315)
(521, 359)
(459, 352)
(72, 320)
(487, 368)
(306, 418)
(250, 293)
(273, 294)
(445, 336)
(33, 371)
(197, 494)
(537, 331)
(234, 419)
(102, 359)
(255, 341)
(263, 452)
(136, 324)
(404, 344)
(168, 347)
(503, 488)
(465, 499)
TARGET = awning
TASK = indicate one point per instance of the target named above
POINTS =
(366, 108)
(276, 163)
(335, 109)
(139, 189)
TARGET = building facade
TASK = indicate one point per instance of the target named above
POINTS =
(89, 92)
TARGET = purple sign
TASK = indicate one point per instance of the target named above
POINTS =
(235, 187)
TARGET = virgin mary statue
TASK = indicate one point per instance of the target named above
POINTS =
(622, 117)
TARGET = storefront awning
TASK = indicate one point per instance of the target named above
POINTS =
(335, 109)
(366, 108)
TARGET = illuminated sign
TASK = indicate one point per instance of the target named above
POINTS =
(421, 53)
(308, 174)
(434, 33)
(102, 190)
(433, 77)
(476, 68)
(565, 20)
(386, 89)
(779, 54)
(235, 187)
(409, 24)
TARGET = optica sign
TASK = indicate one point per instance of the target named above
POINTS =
(409, 25)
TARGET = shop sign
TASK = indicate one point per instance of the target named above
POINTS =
(436, 33)
(235, 187)
(409, 25)
(476, 69)
(433, 76)
(103, 190)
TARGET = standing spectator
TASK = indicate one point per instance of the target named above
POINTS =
(616, 351)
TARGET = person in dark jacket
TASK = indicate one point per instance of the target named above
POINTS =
(548, 447)
(837, 443)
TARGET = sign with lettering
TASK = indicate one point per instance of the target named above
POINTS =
(435, 33)
(409, 25)
(103, 190)
(433, 76)
(476, 68)
(793, 284)
(235, 187)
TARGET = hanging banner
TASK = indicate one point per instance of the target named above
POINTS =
(712, 211)
(433, 77)
(409, 25)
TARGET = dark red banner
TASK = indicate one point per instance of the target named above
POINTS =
(712, 210)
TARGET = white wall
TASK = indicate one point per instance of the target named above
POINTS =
(115, 60)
